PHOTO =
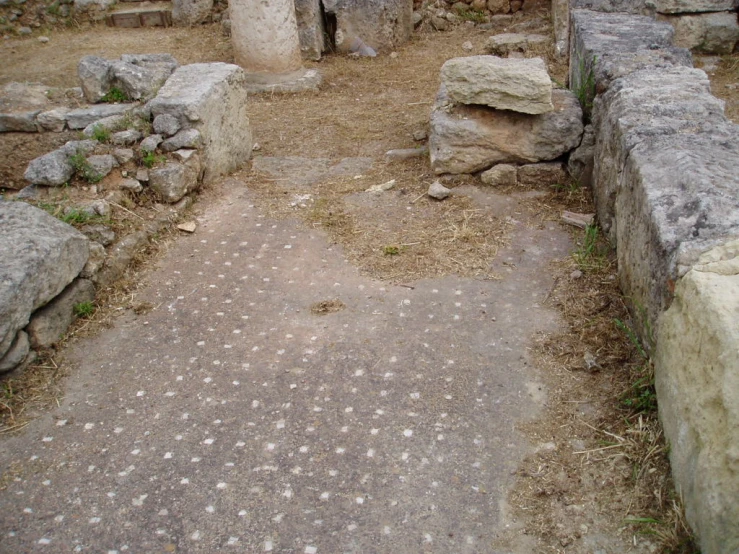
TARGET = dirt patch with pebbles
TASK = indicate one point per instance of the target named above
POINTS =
(599, 478)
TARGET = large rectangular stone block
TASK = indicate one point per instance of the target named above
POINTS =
(645, 104)
(709, 33)
(697, 382)
(210, 97)
(678, 197)
(310, 28)
(606, 46)
(694, 6)
(381, 24)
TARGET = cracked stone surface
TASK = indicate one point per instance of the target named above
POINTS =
(231, 418)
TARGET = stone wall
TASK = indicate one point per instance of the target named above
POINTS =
(666, 188)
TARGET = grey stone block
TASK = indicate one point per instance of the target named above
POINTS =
(174, 180)
(709, 33)
(95, 77)
(210, 97)
(678, 197)
(16, 354)
(48, 324)
(380, 24)
(646, 104)
(694, 6)
(82, 117)
(39, 257)
(607, 46)
(310, 28)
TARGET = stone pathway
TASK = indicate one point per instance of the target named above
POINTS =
(233, 418)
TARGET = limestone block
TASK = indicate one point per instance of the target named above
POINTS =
(542, 174)
(561, 25)
(174, 180)
(380, 24)
(615, 6)
(210, 97)
(519, 85)
(48, 324)
(19, 106)
(39, 257)
(709, 33)
(694, 6)
(82, 117)
(697, 382)
(466, 139)
(16, 354)
(95, 77)
(310, 28)
(55, 168)
(646, 104)
(505, 43)
(126, 138)
(678, 197)
(501, 175)
(191, 12)
(102, 164)
(107, 123)
(606, 46)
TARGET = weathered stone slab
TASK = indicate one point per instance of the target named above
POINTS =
(188, 138)
(519, 85)
(466, 139)
(697, 382)
(606, 46)
(141, 76)
(678, 197)
(82, 117)
(380, 24)
(694, 6)
(505, 43)
(614, 6)
(191, 12)
(709, 33)
(48, 324)
(19, 106)
(53, 120)
(310, 28)
(39, 257)
(210, 97)
(648, 103)
(166, 125)
(580, 161)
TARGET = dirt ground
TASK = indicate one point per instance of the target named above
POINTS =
(601, 465)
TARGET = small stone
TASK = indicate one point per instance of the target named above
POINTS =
(95, 261)
(503, 175)
(166, 125)
(189, 138)
(393, 55)
(381, 187)
(102, 165)
(142, 174)
(438, 191)
(126, 138)
(150, 143)
(24, 31)
(467, 46)
(43, 40)
(188, 227)
(183, 154)
(420, 135)
(576, 274)
(123, 155)
(406, 153)
(131, 185)
(102, 234)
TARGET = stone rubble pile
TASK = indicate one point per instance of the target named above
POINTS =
(194, 128)
(493, 111)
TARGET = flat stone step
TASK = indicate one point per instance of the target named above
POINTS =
(146, 14)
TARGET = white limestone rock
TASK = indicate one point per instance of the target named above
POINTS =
(519, 85)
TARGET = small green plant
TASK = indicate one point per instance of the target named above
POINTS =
(472, 15)
(77, 217)
(149, 159)
(571, 187)
(390, 250)
(115, 95)
(589, 255)
(585, 88)
(641, 395)
(84, 309)
(54, 8)
(83, 168)
(100, 133)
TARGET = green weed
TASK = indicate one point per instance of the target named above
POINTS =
(115, 95)
(100, 133)
(84, 309)
(590, 255)
(149, 159)
(585, 88)
(83, 168)
(472, 15)
(390, 250)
